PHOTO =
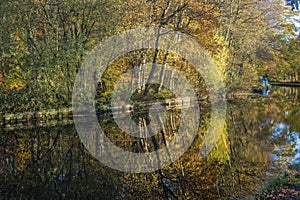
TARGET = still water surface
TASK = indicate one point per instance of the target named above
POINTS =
(260, 138)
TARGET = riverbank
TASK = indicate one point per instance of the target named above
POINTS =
(285, 185)
(27, 119)
(285, 84)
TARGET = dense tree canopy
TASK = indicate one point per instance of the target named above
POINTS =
(44, 42)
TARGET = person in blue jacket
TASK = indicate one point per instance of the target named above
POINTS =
(265, 81)
(266, 89)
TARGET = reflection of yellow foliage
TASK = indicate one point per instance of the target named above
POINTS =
(221, 151)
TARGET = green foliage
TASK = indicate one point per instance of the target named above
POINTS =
(43, 44)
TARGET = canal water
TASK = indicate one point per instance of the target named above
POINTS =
(260, 138)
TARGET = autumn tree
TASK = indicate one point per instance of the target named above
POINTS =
(249, 29)
(43, 44)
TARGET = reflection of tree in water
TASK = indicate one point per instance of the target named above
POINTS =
(145, 143)
(52, 162)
